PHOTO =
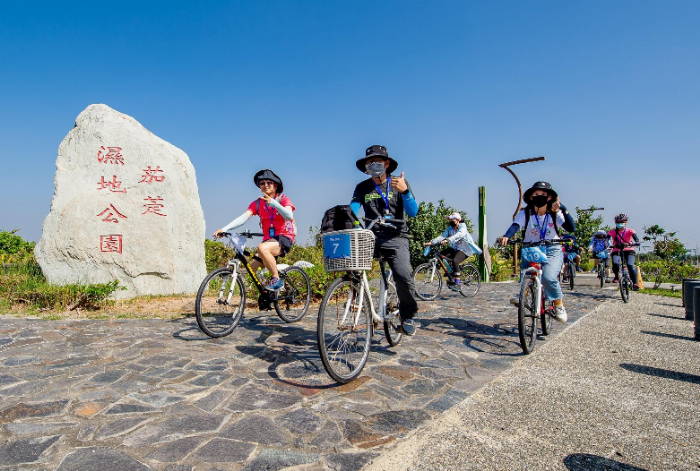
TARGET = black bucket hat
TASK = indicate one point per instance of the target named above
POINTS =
(544, 186)
(267, 174)
(376, 151)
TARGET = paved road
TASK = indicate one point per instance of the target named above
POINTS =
(619, 390)
(139, 395)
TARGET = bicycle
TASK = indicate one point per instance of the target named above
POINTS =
(532, 306)
(625, 281)
(428, 280)
(602, 262)
(222, 295)
(569, 272)
(347, 316)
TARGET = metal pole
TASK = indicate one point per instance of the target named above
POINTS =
(484, 258)
(516, 270)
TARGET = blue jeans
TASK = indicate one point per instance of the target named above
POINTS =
(550, 272)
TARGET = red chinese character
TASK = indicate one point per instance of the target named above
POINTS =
(111, 212)
(153, 206)
(111, 243)
(150, 175)
(111, 155)
(114, 186)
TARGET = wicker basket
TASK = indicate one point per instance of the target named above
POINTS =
(356, 257)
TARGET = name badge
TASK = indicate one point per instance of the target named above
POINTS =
(272, 232)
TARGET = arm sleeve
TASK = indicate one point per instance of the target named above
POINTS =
(239, 221)
(355, 208)
(635, 237)
(356, 201)
(439, 238)
(512, 230)
(285, 211)
(568, 225)
(409, 203)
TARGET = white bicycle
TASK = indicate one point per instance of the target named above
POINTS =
(347, 317)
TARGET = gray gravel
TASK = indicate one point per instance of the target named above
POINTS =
(619, 390)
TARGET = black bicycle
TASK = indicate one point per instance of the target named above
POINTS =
(428, 279)
(625, 280)
(222, 295)
(569, 269)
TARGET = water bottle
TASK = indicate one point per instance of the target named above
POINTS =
(426, 251)
(448, 265)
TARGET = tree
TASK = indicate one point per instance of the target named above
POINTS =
(430, 222)
(666, 245)
(586, 225)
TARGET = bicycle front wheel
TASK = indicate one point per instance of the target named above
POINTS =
(625, 289)
(392, 318)
(601, 276)
(470, 280)
(427, 281)
(344, 330)
(220, 303)
(292, 301)
(572, 275)
(527, 315)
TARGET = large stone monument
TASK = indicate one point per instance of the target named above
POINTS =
(125, 207)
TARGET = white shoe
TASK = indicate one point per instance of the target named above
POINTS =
(515, 300)
(560, 313)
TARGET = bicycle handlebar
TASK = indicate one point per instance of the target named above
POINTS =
(384, 221)
(246, 234)
(533, 244)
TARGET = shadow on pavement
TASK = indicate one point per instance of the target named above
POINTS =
(670, 336)
(667, 317)
(586, 462)
(661, 372)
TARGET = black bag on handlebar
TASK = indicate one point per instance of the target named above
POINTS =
(338, 218)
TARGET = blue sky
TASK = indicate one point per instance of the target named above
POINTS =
(607, 91)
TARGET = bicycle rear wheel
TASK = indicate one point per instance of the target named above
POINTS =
(625, 289)
(392, 319)
(601, 276)
(527, 315)
(427, 281)
(220, 303)
(344, 330)
(470, 281)
(292, 301)
(572, 274)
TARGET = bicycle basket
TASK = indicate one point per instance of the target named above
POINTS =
(348, 250)
(571, 256)
(603, 254)
(533, 254)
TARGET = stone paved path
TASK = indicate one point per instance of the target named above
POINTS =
(158, 395)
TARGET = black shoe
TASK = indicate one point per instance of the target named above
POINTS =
(408, 327)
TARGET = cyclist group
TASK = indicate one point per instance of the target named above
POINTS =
(385, 195)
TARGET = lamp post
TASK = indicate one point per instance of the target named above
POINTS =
(696, 249)
(507, 166)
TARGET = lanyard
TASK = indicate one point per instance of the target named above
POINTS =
(621, 238)
(379, 190)
(542, 227)
(269, 211)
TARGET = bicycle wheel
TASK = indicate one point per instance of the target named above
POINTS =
(470, 280)
(625, 289)
(344, 330)
(572, 275)
(527, 316)
(292, 301)
(428, 281)
(546, 321)
(220, 303)
(392, 319)
(601, 276)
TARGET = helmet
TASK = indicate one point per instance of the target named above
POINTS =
(600, 234)
(455, 215)
(622, 217)
(569, 237)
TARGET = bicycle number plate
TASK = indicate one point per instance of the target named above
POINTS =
(533, 254)
(336, 246)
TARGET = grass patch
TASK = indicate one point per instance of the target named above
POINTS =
(662, 292)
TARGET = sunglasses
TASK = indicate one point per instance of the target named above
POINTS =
(265, 182)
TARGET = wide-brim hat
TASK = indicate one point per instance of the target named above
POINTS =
(544, 186)
(267, 174)
(376, 151)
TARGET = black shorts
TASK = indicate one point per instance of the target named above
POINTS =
(285, 246)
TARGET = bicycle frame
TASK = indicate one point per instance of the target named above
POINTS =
(535, 272)
(364, 285)
(434, 262)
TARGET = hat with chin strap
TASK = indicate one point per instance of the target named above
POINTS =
(267, 174)
(376, 151)
(544, 186)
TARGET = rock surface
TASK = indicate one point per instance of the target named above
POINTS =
(125, 207)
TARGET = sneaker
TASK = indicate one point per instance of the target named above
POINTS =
(635, 287)
(565, 280)
(515, 300)
(579, 269)
(408, 327)
(608, 280)
(560, 313)
(616, 280)
(275, 284)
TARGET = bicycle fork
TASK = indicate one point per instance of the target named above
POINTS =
(232, 277)
(535, 275)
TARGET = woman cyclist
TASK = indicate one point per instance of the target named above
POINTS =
(622, 236)
(541, 219)
(600, 243)
(461, 244)
(277, 220)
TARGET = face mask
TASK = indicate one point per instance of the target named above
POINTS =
(620, 225)
(375, 169)
(539, 200)
(454, 223)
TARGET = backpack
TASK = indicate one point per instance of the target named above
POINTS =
(338, 218)
(278, 199)
(552, 215)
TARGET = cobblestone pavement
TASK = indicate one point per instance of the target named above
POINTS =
(158, 395)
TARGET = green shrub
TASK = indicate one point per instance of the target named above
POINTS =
(216, 254)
